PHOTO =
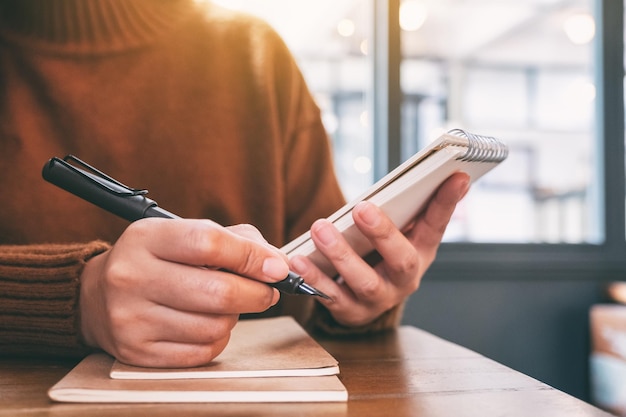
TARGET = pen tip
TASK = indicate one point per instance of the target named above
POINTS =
(309, 290)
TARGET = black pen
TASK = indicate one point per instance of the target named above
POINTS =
(132, 204)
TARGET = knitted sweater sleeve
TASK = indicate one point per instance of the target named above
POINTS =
(39, 287)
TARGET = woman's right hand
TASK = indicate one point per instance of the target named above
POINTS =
(169, 292)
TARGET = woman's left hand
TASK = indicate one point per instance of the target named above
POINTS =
(364, 292)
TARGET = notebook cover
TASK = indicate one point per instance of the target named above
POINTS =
(89, 382)
(257, 348)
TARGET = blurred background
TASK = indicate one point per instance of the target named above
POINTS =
(518, 70)
(532, 246)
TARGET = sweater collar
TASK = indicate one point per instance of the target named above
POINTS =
(89, 26)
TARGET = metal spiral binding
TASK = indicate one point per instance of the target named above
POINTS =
(481, 148)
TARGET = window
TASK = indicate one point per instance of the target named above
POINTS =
(520, 71)
(511, 69)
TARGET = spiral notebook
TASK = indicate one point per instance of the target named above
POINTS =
(403, 193)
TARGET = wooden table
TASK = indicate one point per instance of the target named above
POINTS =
(407, 372)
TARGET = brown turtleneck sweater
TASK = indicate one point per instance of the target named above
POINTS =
(204, 107)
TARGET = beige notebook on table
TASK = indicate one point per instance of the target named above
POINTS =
(266, 360)
(257, 348)
(403, 193)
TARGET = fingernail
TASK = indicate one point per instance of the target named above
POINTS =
(368, 214)
(275, 268)
(325, 233)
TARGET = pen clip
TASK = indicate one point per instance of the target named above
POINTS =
(95, 174)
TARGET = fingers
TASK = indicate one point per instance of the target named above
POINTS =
(169, 338)
(408, 256)
(362, 281)
(399, 254)
(165, 324)
(367, 292)
(205, 243)
(167, 273)
(347, 307)
(169, 291)
(194, 289)
(172, 353)
(431, 225)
